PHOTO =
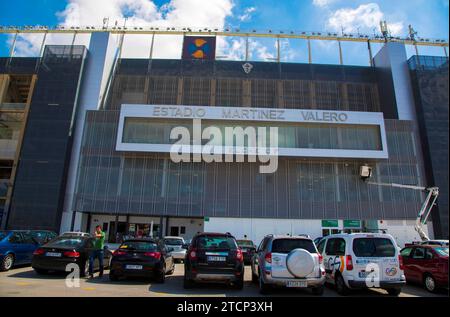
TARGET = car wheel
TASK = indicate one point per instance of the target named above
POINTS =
(318, 290)
(187, 283)
(239, 284)
(171, 270)
(254, 278)
(341, 288)
(84, 269)
(394, 291)
(113, 277)
(161, 276)
(7, 263)
(430, 283)
(263, 287)
(41, 271)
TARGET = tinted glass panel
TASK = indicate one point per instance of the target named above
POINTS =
(173, 241)
(139, 246)
(373, 247)
(66, 242)
(287, 245)
(216, 242)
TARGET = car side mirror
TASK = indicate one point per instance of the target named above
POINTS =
(185, 246)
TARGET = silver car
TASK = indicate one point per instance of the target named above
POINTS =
(288, 261)
(178, 246)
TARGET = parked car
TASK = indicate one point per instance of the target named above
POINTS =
(16, 248)
(317, 240)
(43, 236)
(248, 249)
(214, 257)
(435, 242)
(76, 234)
(362, 260)
(64, 250)
(142, 258)
(426, 265)
(178, 245)
(288, 261)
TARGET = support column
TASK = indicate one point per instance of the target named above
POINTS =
(341, 60)
(309, 52)
(72, 222)
(370, 54)
(212, 100)
(180, 91)
(88, 223)
(161, 223)
(116, 227)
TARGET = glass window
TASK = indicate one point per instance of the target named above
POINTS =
(428, 254)
(287, 245)
(216, 242)
(16, 237)
(143, 246)
(373, 247)
(442, 251)
(406, 252)
(321, 246)
(330, 249)
(67, 242)
(173, 241)
(290, 135)
(419, 253)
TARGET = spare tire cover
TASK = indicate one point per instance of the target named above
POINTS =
(300, 262)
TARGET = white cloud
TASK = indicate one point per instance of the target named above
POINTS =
(247, 14)
(193, 13)
(364, 18)
(323, 3)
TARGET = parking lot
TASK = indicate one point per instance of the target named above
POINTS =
(23, 281)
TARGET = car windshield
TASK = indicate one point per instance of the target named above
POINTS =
(287, 245)
(145, 246)
(173, 241)
(443, 251)
(245, 243)
(373, 247)
(66, 242)
(216, 242)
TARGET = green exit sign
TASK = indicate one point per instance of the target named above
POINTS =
(330, 223)
(352, 224)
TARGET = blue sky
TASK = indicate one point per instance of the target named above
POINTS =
(428, 17)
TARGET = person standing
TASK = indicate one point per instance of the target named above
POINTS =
(97, 252)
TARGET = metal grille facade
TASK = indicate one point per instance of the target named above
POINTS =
(150, 184)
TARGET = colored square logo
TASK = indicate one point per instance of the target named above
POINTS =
(195, 47)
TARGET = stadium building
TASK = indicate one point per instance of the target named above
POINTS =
(85, 140)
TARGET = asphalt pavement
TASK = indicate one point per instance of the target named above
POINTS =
(23, 281)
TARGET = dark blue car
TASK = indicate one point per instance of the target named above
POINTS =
(16, 248)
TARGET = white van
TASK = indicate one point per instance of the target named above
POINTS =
(362, 260)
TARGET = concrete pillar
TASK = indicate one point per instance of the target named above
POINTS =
(102, 53)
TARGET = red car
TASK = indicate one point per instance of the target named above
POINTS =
(427, 265)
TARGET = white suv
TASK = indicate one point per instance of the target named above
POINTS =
(362, 260)
(288, 261)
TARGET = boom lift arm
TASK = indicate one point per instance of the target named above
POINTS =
(425, 209)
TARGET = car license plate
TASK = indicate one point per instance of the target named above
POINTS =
(363, 274)
(53, 254)
(133, 267)
(216, 259)
(296, 284)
